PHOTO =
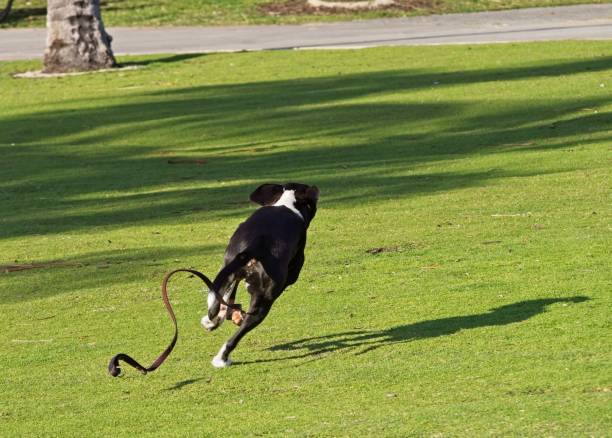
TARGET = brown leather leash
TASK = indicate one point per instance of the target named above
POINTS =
(113, 366)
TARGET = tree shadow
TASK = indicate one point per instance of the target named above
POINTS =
(109, 268)
(364, 341)
(165, 59)
(251, 128)
(19, 14)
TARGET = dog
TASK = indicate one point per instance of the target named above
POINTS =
(267, 251)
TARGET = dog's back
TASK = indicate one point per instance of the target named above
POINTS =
(274, 231)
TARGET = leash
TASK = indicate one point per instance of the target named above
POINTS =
(113, 367)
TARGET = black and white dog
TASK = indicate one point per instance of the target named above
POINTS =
(267, 251)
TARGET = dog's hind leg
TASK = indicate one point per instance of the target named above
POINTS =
(216, 312)
(258, 309)
(229, 298)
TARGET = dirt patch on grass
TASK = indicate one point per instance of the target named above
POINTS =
(18, 267)
(5, 269)
(394, 248)
(301, 7)
(38, 74)
(382, 249)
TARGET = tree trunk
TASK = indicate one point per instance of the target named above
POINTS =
(6, 11)
(76, 39)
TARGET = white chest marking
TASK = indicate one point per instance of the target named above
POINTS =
(288, 200)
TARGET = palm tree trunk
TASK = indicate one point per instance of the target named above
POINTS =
(76, 39)
(6, 11)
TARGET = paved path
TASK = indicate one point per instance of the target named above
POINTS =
(572, 22)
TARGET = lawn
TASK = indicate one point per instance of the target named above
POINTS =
(32, 13)
(457, 276)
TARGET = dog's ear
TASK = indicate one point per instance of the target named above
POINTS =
(267, 194)
(312, 193)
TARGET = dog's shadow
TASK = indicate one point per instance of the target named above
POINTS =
(364, 341)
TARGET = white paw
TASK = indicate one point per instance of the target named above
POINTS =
(217, 362)
(208, 324)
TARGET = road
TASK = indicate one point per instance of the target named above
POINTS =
(583, 22)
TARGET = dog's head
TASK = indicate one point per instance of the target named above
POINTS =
(301, 197)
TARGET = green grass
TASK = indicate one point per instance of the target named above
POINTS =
(484, 171)
(32, 13)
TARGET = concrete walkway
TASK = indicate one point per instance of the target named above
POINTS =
(583, 22)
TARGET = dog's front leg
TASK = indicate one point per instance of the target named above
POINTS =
(258, 309)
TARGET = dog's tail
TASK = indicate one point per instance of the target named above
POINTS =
(221, 292)
(226, 274)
